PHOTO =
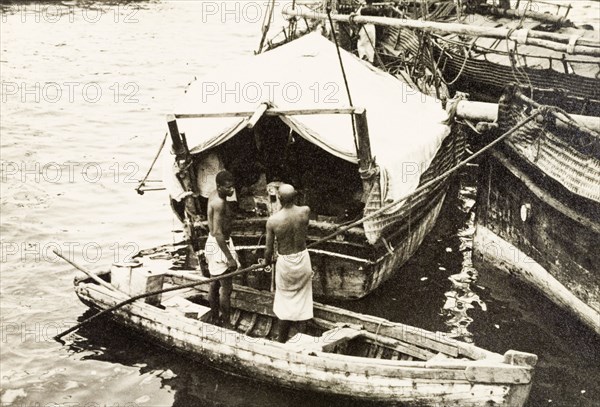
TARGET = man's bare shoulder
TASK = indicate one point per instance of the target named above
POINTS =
(215, 201)
(274, 219)
(305, 210)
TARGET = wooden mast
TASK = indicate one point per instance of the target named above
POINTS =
(366, 164)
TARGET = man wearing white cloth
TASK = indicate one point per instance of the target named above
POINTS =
(293, 294)
(219, 250)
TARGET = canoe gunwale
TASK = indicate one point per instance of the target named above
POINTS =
(458, 370)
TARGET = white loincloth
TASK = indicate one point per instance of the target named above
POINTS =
(293, 295)
(216, 259)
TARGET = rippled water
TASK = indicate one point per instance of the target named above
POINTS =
(85, 90)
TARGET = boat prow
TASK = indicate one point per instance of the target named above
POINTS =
(342, 353)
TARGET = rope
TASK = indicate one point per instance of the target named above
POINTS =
(513, 62)
(326, 238)
(293, 21)
(165, 290)
(427, 184)
(492, 50)
(266, 26)
(337, 47)
(142, 183)
(555, 110)
(527, 7)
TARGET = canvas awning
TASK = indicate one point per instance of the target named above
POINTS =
(406, 127)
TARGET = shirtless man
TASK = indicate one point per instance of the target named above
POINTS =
(219, 250)
(293, 295)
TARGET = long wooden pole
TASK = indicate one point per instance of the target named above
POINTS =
(516, 13)
(272, 112)
(90, 274)
(141, 296)
(558, 42)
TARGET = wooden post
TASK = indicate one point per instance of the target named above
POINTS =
(188, 182)
(260, 111)
(366, 164)
(184, 162)
(175, 136)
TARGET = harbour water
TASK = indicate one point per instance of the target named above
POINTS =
(85, 90)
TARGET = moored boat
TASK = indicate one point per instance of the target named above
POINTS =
(479, 46)
(561, 56)
(341, 353)
(359, 163)
(538, 206)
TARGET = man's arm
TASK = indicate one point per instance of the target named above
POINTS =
(218, 210)
(270, 243)
(307, 214)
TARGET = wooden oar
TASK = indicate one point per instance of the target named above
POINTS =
(90, 274)
(138, 297)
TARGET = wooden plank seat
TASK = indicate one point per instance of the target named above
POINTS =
(324, 343)
(187, 308)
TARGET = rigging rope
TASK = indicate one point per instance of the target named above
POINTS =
(337, 47)
(266, 26)
(464, 65)
(313, 244)
(143, 182)
(427, 184)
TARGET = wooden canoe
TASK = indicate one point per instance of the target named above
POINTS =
(341, 353)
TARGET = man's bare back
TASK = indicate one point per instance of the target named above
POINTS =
(293, 273)
(289, 226)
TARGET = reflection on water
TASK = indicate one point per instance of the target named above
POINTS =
(169, 44)
(147, 367)
(461, 298)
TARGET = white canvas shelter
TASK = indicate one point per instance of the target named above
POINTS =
(406, 127)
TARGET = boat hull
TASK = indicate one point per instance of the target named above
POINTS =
(478, 383)
(345, 269)
(486, 80)
(348, 267)
(547, 240)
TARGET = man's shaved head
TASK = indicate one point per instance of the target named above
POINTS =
(287, 193)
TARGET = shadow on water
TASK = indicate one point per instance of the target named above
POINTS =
(438, 289)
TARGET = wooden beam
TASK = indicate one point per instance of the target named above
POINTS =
(257, 115)
(558, 42)
(364, 143)
(175, 136)
(488, 112)
(186, 173)
(272, 112)
(543, 17)
(366, 164)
